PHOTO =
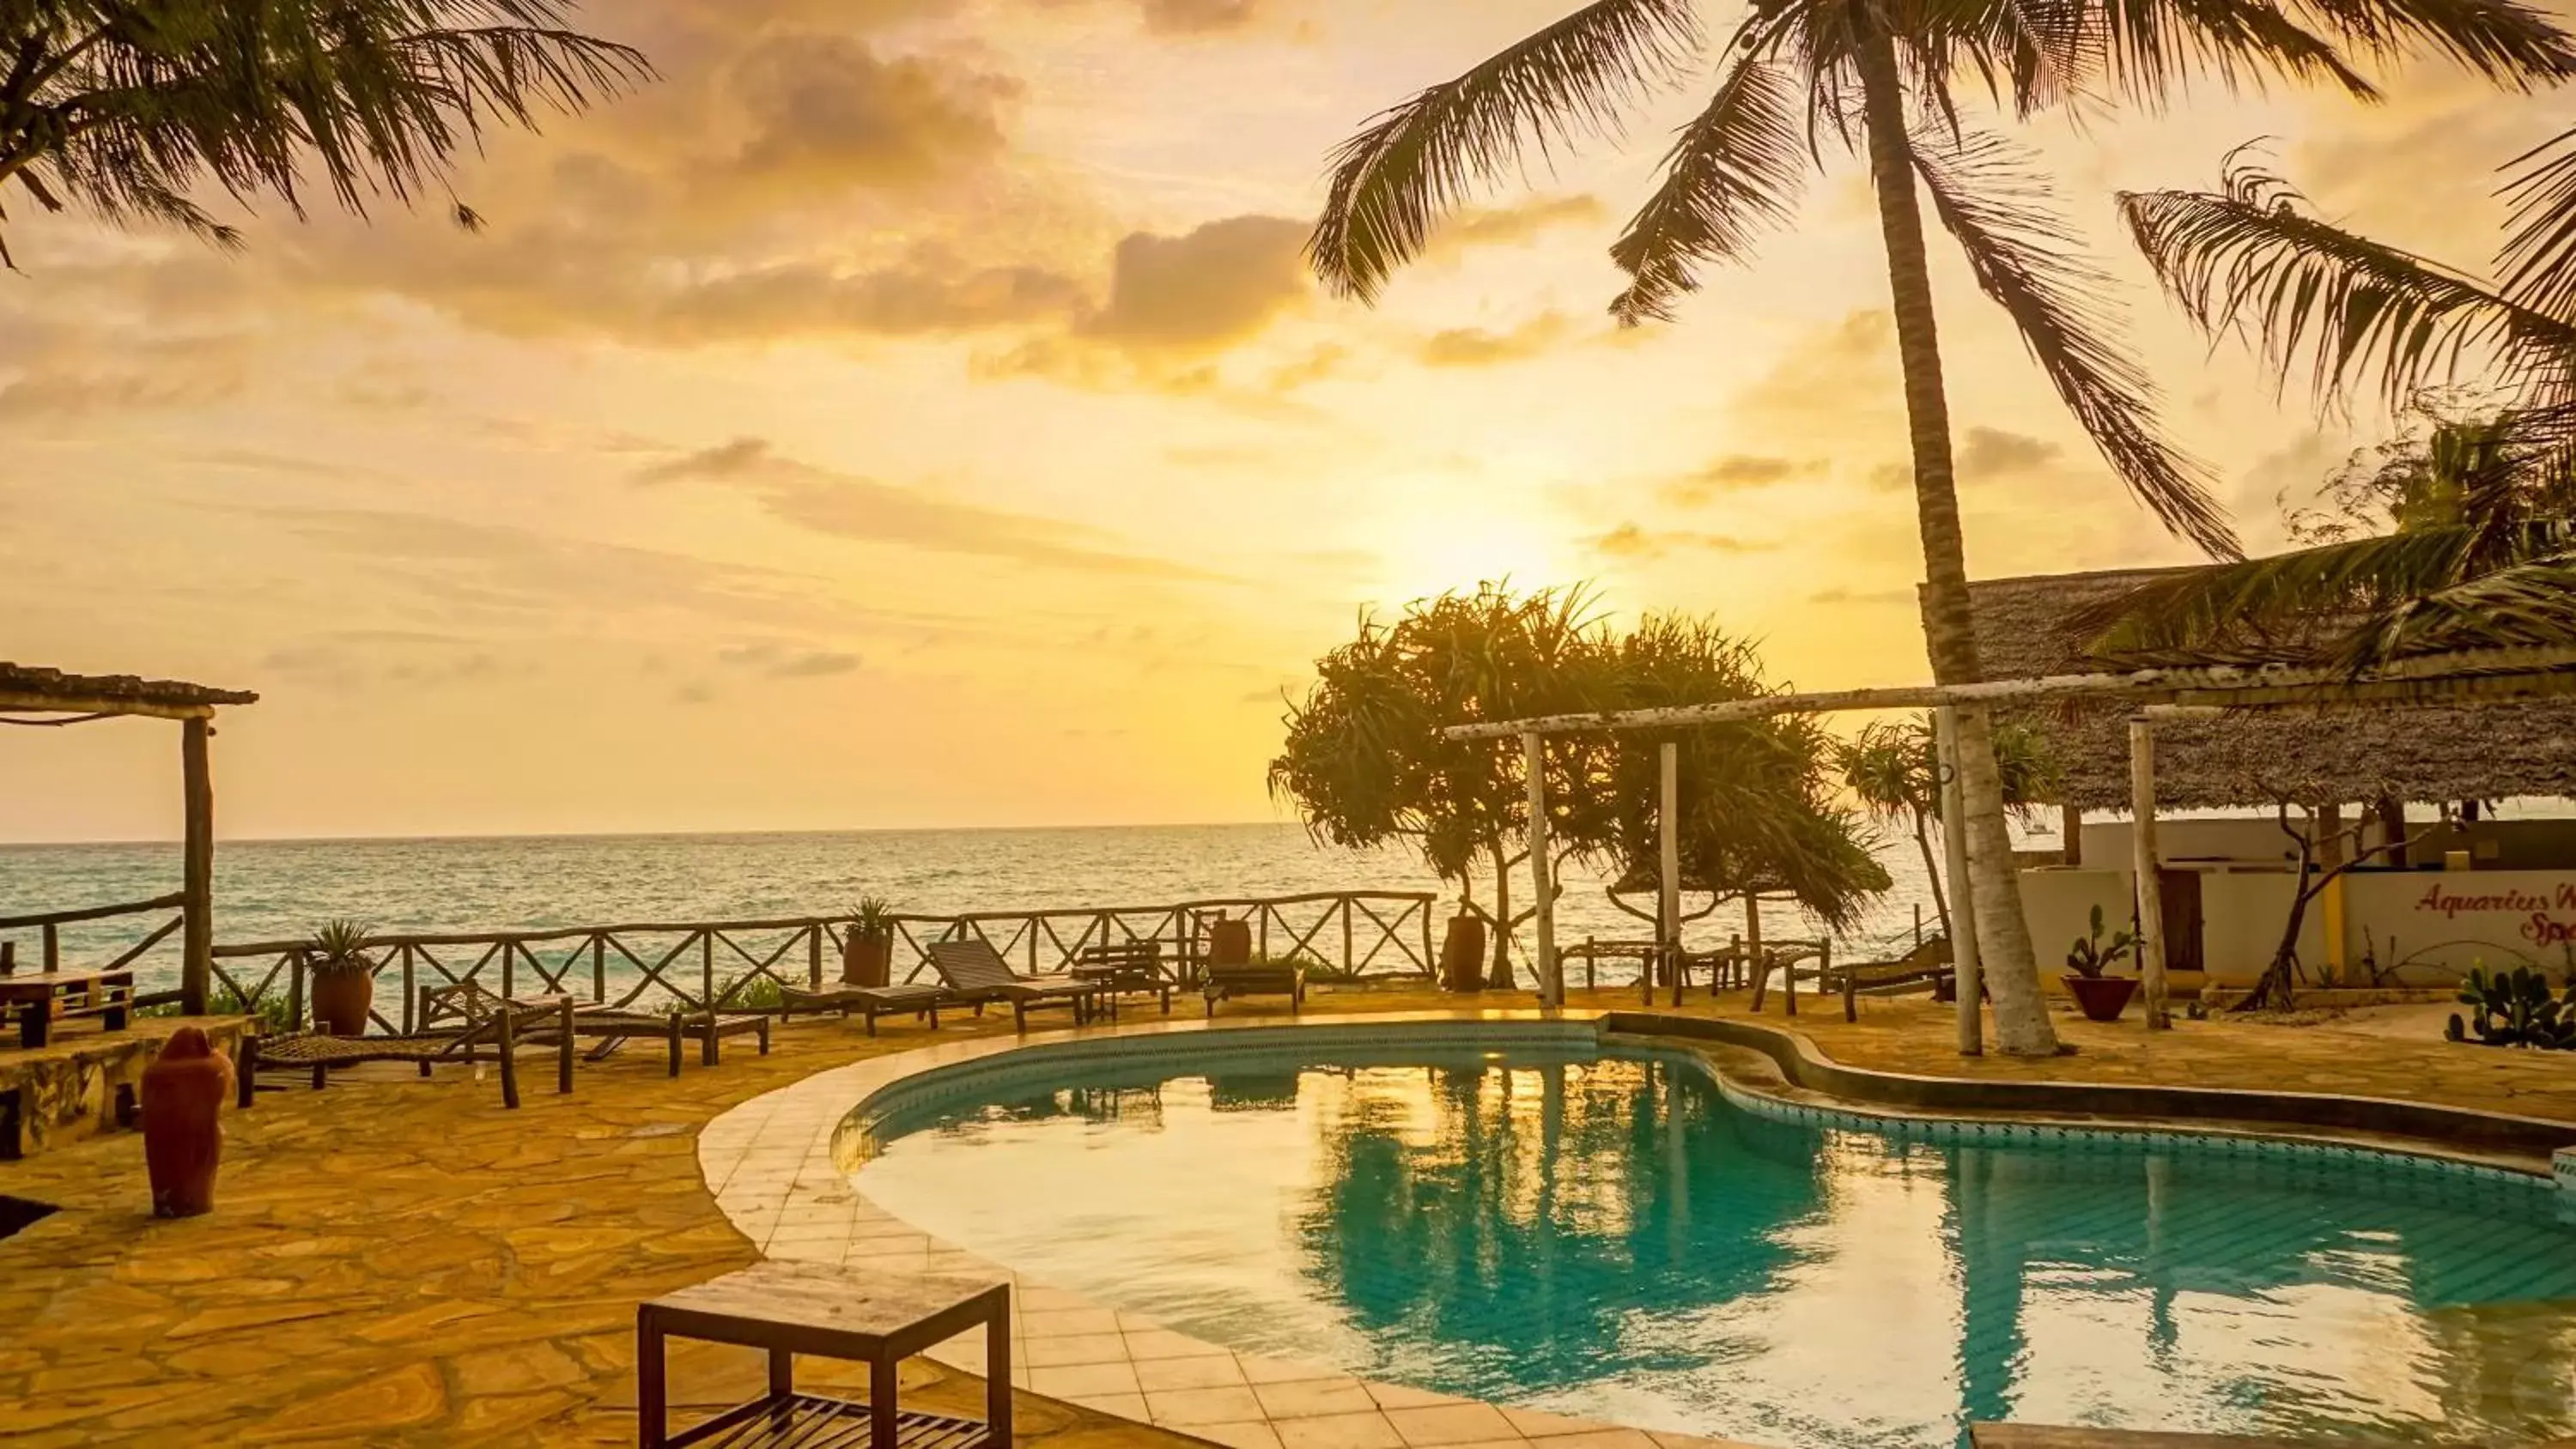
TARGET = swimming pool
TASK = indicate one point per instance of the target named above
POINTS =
(1600, 1233)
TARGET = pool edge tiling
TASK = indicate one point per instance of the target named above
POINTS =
(780, 1167)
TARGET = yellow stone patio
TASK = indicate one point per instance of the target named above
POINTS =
(398, 1261)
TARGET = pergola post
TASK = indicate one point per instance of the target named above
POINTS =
(1668, 900)
(2144, 860)
(1964, 962)
(1551, 990)
(197, 867)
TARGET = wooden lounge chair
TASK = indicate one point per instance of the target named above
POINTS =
(488, 1026)
(609, 1026)
(1255, 978)
(1924, 967)
(870, 1002)
(976, 973)
(1121, 967)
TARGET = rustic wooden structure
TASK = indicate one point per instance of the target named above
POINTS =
(703, 964)
(877, 1319)
(499, 1031)
(49, 698)
(1123, 968)
(40, 998)
(975, 974)
(1259, 976)
(2448, 680)
(870, 1002)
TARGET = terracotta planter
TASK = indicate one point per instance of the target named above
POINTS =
(183, 1135)
(866, 960)
(1462, 954)
(341, 999)
(1229, 942)
(2102, 998)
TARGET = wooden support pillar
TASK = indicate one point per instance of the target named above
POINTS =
(1668, 900)
(1755, 963)
(2330, 853)
(2070, 824)
(1965, 967)
(2145, 862)
(1551, 988)
(197, 867)
(2392, 829)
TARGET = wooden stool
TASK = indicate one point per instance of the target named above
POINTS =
(791, 1308)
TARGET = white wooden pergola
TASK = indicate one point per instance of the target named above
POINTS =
(2149, 694)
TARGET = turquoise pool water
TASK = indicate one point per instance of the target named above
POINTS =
(1606, 1236)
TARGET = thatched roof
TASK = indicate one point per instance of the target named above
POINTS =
(23, 686)
(2415, 752)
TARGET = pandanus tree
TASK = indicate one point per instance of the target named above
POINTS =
(1893, 768)
(1367, 766)
(2480, 511)
(1754, 809)
(126, 108)
(1889, 81)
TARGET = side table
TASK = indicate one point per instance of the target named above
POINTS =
(876, 1319)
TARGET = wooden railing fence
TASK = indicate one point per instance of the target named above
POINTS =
(722, 964)
(49, 938)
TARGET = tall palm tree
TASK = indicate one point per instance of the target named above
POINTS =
(1883, 78)
(1892, 767)
(2482, 550)
(124, 107)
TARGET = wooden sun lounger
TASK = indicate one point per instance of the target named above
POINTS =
(497, 1030)
(976, 973)
(870, 1002)
(1257, 978)
(610, 1026)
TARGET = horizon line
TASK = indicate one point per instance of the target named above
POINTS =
(536, 835)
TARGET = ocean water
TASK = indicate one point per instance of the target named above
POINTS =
(281, 890)
(1605, 1236)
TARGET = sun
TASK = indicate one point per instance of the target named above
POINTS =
(1428, 550)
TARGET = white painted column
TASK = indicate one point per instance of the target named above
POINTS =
(1668, 902)
(2144, 861)
(1551, 987)
(1963, 902)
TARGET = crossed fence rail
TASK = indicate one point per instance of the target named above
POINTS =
(723, 965)
(48, 926)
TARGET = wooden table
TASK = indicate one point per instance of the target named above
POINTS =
(40, 996)
(789, 1308)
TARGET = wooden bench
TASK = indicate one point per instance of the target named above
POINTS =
(1125, 966)
(40, 997)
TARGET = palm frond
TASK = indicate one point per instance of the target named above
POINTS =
(1413, 163)
(2316, 298)
(1995, 206)
(2503, 42)
(2520, 605)
(2539, 259)
(130, 113)
(2267, 609)
(2152, 47)
(1736, 167)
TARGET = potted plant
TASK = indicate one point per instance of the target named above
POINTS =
(867, 957)
(2102, 998)
(344, 978)
(1462, 952)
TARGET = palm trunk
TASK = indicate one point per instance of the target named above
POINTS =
(2003, 936)
(1500, 978)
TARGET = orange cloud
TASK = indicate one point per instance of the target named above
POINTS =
(1477, 347)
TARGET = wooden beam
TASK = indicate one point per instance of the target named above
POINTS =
(2070, 826)
(1966, 967)
(2144, 860)
(197, 866)
(2478, 673)
(20, 701)
(1668, 899)
(1551, 989)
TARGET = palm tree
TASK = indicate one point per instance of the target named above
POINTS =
(1884, 81)
(123, 107)
(2482, 547)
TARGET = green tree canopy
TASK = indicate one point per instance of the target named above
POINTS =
(125, 107)
(1893, 768)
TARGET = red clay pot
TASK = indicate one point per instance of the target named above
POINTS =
(341, 999)
(866, 960)
(1462, 954)
(183, 1135)
(2102, 998)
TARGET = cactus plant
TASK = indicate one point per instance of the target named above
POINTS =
(2514, 1008)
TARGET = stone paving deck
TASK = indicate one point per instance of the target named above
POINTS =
(397, 1261)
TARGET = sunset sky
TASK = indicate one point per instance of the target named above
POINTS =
(915, 413)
